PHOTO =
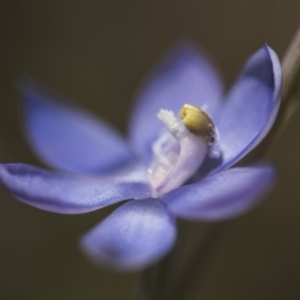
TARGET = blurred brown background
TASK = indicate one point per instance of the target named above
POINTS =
(96, 52)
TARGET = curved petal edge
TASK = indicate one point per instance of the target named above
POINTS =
(251, 107)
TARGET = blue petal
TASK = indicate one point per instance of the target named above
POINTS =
(251, 107)
(70, 194)
(184, 76)
(136, 235)
(68, 138)
(224, 195)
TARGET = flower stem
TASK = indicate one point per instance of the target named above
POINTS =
(145, 289)
(291, 83)
(157, 280)
(291, 68)
(173, 277)
(197, 263)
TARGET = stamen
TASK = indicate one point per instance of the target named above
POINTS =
(179, 151)
(198, 122)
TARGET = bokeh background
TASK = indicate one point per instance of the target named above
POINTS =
(96, 53)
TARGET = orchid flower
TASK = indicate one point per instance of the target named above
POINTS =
(185, 136)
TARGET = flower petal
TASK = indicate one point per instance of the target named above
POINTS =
(224, 195)
(134, 236)
(184, 76)
(70, 194)
(251, 107)
(68, 138)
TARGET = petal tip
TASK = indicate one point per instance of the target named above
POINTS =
(134, 236)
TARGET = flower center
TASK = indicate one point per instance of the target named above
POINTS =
(180, 149)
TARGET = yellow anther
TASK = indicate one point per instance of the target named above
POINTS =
(197, 122)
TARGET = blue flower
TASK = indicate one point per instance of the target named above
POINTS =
(169, 166)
